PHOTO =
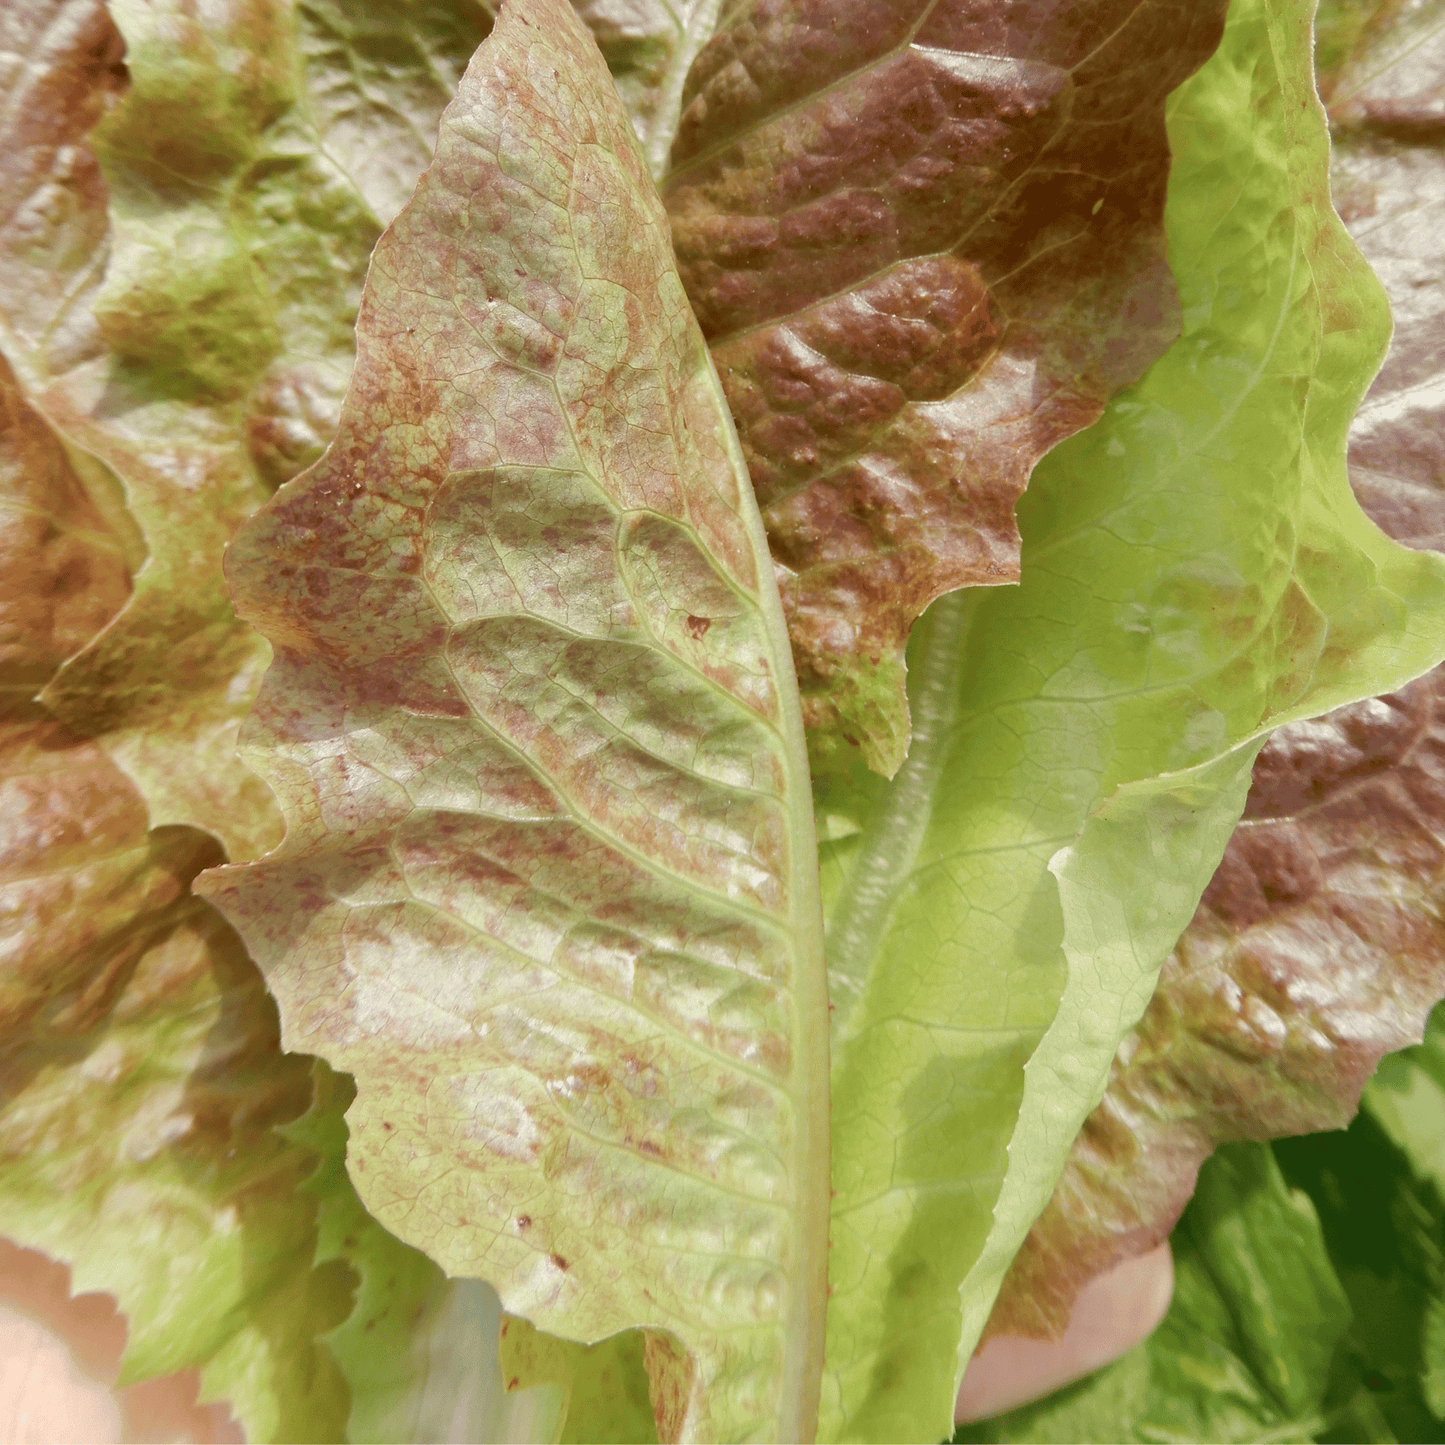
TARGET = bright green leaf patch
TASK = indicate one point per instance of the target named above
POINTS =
(1310, 1290)
(1194, 572)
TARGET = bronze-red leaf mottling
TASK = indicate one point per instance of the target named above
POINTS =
(548, 882)
(925, 242)
(140, 1064)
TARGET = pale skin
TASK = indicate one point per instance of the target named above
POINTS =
(59, 1357)
(1112, 1314)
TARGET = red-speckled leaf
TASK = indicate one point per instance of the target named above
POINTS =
(181, 313)
(924, 239)
(1318, 947)
(549, 888)
(649, 46)
(140, 1072)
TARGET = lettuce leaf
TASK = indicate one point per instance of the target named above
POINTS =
(1316, 948)
(1247, 1349)
(548, 886)
(649, 46)
(180, 344)
(924, 241)
(243, 202)
(140, 1072)
(417, 1350)
(1311, 1287)
(1383, 1223)
(591, 1394)
(140, 1068)
(1195, 572)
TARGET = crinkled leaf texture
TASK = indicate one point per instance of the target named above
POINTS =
(924, 239)
(140, 1073)
(1194, 572)
(192, 347)
(1317, 947)
(649, 46)
(548, 886)
(1384, 1223)
(140, 1068)
(1290, 1322)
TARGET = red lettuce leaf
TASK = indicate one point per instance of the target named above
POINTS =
(549, 885)
(925, 242)
(140, 1068)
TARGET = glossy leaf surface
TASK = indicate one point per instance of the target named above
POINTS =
(193, 348)
(548, 884)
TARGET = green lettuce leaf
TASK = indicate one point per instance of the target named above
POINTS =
(548, 887)
(1317, 946)
(1195, 572)
(1247, 1350)
(924, 241)
(1406, 1098)
(1316, 949)
(1384, 1224)
(418, 1351)
(1256, 1344)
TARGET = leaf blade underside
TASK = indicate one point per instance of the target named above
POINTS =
(548, 887)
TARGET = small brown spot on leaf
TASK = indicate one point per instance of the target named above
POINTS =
(560, 1262)
(524, 1221)
(514, 1382)
(697, 626)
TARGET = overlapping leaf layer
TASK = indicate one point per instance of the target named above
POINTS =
(547, 882)
(195, 351)
(548, 886)
(1317, 947)
(1194, 572)
(924, 241)
(140, 1068)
